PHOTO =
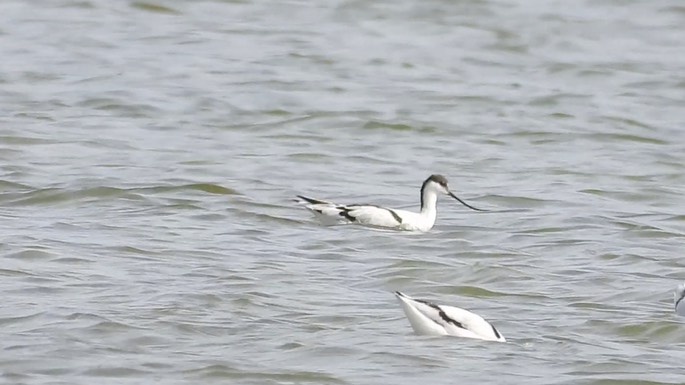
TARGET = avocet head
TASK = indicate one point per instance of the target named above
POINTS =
(438, 184)
(678, 297)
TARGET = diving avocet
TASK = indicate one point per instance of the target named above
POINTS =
(376, 216)
(438, 320)
(679, 303)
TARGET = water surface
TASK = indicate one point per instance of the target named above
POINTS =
(150, 151)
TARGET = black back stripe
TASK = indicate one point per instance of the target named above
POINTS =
(394, 215)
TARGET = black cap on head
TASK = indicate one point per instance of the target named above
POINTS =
(437, 178)
(442, 181)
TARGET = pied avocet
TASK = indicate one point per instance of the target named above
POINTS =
(427, 318)
(377, 216)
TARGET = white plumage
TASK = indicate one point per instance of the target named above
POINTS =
(679, 302)
(377, 216)
(429, 319)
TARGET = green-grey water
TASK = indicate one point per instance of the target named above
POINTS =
(150, 152)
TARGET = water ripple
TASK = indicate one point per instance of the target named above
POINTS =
(149, 164)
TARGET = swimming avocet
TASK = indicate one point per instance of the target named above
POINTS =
(371, 215)
(437, 320)
(679, 303)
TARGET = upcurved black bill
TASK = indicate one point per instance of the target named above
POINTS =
(464, 203)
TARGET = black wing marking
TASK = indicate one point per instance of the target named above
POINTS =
(442, 315)
(345, 212)
(450, 320)
(348, 208)
(394, 215)
(495, 330)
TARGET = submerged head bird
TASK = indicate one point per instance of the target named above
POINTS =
(371, 215)
(437, 320)
(679, 303)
